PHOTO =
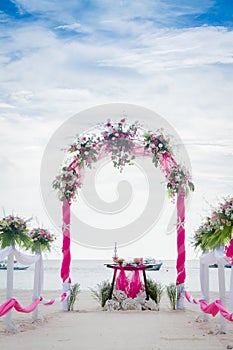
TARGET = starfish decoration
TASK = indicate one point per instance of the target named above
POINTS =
(180, 224)
(65, 227)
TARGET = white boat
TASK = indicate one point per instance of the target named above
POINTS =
(153, 264)
(3, 266)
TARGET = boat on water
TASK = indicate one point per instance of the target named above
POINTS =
(228, 266)
(3, 266)
(153, 264)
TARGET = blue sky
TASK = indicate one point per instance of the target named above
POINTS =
(60, 57)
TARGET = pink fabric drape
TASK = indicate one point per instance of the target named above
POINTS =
(130, 287)
(122, 282)
(180, 263)
(65, 268)
(135, 285)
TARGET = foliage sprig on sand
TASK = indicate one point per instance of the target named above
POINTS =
(155, 290)
(74, 291)
(101, 292)
(172, 294)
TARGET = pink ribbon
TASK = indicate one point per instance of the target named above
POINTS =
(13, 303)
(212, 308)
(229, 251)
(166, 162)
(65, 268)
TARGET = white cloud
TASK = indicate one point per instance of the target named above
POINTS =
(76, 27)
(176, 49)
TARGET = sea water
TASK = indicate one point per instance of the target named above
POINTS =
(88, 273)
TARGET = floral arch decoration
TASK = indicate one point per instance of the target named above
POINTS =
(123, 143)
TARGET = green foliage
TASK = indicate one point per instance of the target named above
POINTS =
(172, 294)
(101, 293)
(74, 291)
(155, 290)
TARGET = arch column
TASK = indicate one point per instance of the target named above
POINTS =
(180, 263)
(65, 268)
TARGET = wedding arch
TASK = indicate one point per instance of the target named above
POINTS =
(123, 143)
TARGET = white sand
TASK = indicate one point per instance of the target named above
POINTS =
(91, 328)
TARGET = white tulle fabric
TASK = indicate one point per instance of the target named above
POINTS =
(26, 260)
(23, 259)
(65, 289)
(5, 252)
(209, 258)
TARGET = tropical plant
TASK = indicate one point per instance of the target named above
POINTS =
(74, 291)
(155, 290)
(102, 292)
(13, 231)
(172, 295)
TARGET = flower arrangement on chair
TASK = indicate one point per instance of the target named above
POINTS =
(217, 229)
(14, 231)
(41, 239)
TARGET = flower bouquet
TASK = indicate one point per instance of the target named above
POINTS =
(118, 138)
(120, 261)
(67, 183)
(86, 150)
(41, 240)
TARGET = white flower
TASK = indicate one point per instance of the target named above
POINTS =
(221, 227)
(160, 145)
(86, 153)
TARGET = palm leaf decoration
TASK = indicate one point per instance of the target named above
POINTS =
(13, 231)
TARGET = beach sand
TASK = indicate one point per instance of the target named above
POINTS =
(89, 327)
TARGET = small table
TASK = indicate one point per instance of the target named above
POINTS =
(129, 267)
